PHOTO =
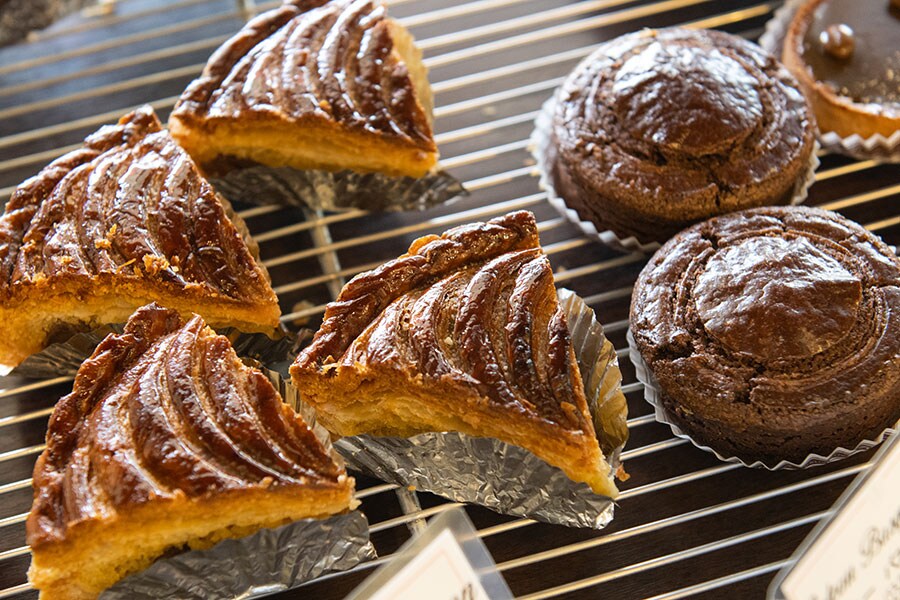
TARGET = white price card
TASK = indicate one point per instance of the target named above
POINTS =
(855, 555)
(439, 572)
(447, 561)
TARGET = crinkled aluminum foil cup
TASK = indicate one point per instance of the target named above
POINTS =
(270, 560)
(497, 475)
(337, 191)
(65, 357)
(652, 394)
(539, 145)
(875, 147)
(264, 562)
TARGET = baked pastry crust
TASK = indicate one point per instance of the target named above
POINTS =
(167, 441)
(659, 129)
(463, 333)
(773, 333)
(837, 111)
(123, 221)
(314, 84)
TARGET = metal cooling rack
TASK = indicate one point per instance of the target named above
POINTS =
(687, 525)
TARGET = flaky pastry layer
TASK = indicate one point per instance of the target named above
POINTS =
(97, 553)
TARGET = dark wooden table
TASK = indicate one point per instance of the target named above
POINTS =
(687, 525)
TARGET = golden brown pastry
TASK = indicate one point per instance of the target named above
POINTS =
(123, 221)
(167, 441)
(846, 56)
(314, 84)
(463, 333)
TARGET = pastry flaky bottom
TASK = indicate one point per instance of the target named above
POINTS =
(352, 400)
(27, 325)
(98, 552)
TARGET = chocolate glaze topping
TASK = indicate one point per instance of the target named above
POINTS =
(313, 59)
(166, 410)
(748, 286)
(774, 332)
(476, 306)
(130, 204)
(871, 74)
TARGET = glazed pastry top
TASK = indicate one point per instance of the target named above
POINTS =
(129, 204)
(475, 307)
(331, 61)
(167, 411)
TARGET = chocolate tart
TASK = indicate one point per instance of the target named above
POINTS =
(463, 333)
(773, 334)
(659, 129)
(123, 221)
(167, 441)
(313, 85)
(846, 55)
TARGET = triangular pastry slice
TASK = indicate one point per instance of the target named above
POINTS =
(167, 441)
(463, 333)
(314, 84)
(125, 220)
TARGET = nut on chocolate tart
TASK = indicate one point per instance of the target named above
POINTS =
(462, 333)
(122, 221)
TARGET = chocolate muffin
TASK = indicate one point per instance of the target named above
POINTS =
(846, 56)
(773, 333)
(659, 129)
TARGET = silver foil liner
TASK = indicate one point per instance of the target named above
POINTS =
(539, 145)
(337, 191)
(500, 476)
(264, 562)
(270, 560)
(652, 394)
(65, 357)
(875, 147)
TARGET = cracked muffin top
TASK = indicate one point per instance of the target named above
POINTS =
(659, 129)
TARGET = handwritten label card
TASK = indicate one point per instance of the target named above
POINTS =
(856, 555)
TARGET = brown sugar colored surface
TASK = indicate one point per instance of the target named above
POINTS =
(124, 220)
(167, 440)
(661, 128)
(774, 333)
(462, 333)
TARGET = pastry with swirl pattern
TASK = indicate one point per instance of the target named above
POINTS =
(168, 441)
(773, 333)
(462, 333)
(313, 84)
(659, 129)
(123, 221)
